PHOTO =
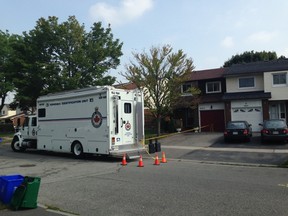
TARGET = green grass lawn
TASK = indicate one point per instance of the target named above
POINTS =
(6, 137)
(2, 206)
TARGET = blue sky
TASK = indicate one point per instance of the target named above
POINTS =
(208, 31)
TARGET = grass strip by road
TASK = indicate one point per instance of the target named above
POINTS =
(2, 206)
(6, 137)
(58, 210)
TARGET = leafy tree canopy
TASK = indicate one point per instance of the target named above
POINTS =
(250, 56)
(6, 71)
(160, 74)
(63, 56)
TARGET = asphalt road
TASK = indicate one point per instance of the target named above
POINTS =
(191, 183)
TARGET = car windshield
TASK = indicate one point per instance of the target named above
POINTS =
(275, 124)
(236, 125)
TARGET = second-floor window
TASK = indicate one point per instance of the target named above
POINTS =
(186, 87)
(280, 79)
(213, 87)
(246, 82)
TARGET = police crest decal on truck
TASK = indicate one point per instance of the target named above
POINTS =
(96, 118)
(128, 126)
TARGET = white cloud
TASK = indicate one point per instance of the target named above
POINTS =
(262, 37)
(283, 52)
(227, 42)
(126, 11)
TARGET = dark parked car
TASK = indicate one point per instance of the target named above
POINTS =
(274, 130)
(238, 130)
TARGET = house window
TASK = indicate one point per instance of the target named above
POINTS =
(277, 110)
(280, 79)
(246, 82)
(213, 87)
(3, 112)
(186, 87)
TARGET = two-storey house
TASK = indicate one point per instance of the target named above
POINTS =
(252, 91)
(256, 91)
(209, 114)
(245, 95)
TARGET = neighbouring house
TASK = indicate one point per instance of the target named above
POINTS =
(257, 91)
(209, 114)
(13, 117)
(128, 86)
(245, 94)
(6, 114)
(254, 92)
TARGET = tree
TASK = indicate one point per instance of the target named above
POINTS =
(6, 73)
(160, 74)
(63, 56)
(251, 56)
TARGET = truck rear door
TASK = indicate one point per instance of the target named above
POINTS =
(127, 121)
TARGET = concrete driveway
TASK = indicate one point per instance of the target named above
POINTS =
(210, 147)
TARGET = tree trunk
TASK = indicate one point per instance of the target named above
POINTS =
(158, 125)
(2, 103)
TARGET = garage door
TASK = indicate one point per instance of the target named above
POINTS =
(213, 120)
(253, 115)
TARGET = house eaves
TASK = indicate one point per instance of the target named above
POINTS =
(246, 95)
(206, 74)
(256, 67)
(211, 98)
(127, 86)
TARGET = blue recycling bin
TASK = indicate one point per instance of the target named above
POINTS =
(8, 185)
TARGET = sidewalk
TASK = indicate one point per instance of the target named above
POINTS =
(277, 151)
(213, 141)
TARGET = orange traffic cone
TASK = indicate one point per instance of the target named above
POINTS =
(124, 162)
(140, 164)
(157, 162)
(163, 158)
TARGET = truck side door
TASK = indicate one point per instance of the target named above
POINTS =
(29, 128)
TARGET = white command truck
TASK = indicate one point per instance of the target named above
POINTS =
(97, 120)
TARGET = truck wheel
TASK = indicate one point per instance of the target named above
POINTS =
(77, 150)
(15, 145)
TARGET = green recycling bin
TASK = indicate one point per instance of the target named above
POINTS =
(26, 195)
